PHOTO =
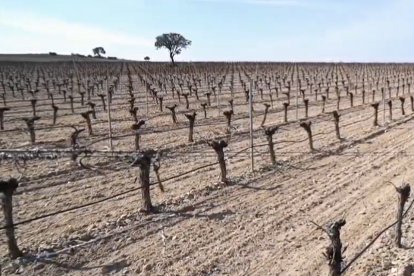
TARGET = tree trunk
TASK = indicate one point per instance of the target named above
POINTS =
(103, 101)
(172, 58)
(33, 102)
(160, 100)
(55, 111)
(285, 106)
(191, 119)
(375, 106)
(157, 174)
(30, 127)
(306, 102)
(307, 127)
(336, 120)
(2, 110)
(412, 103)
(137, 140)
(323, 103)
(71, 104)
(228, 115)
(8, 188)
(187, 103)
(271, 149)
(404, 193)
(204, 110)
(136, 128)
(402, 100)
(220, 155)
(144, 173)
(265, 114)
(74, 137)
(8, 216)
(143, 161)
(269, 136)
(218, 148)
(82, 98)
(208, 99)
(334, 251)
(390, 109)
(173, 116)
(1, 120)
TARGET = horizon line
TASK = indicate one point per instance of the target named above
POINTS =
(197, 61)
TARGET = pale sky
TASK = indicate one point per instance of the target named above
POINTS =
(221, 30)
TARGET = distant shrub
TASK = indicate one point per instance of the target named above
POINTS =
(53, 54)
(113, 58)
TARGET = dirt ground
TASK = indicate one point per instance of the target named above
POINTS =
(259, 224)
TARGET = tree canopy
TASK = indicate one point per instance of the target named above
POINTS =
(174, 42)
(98, 51)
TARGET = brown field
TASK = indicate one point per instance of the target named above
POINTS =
(258, 224)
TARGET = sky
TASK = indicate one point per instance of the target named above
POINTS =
(220, 30)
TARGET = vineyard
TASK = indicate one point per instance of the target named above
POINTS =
(206, 168)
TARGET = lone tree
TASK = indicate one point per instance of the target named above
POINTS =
(147, 58)
(173, 42)
(98, 51)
